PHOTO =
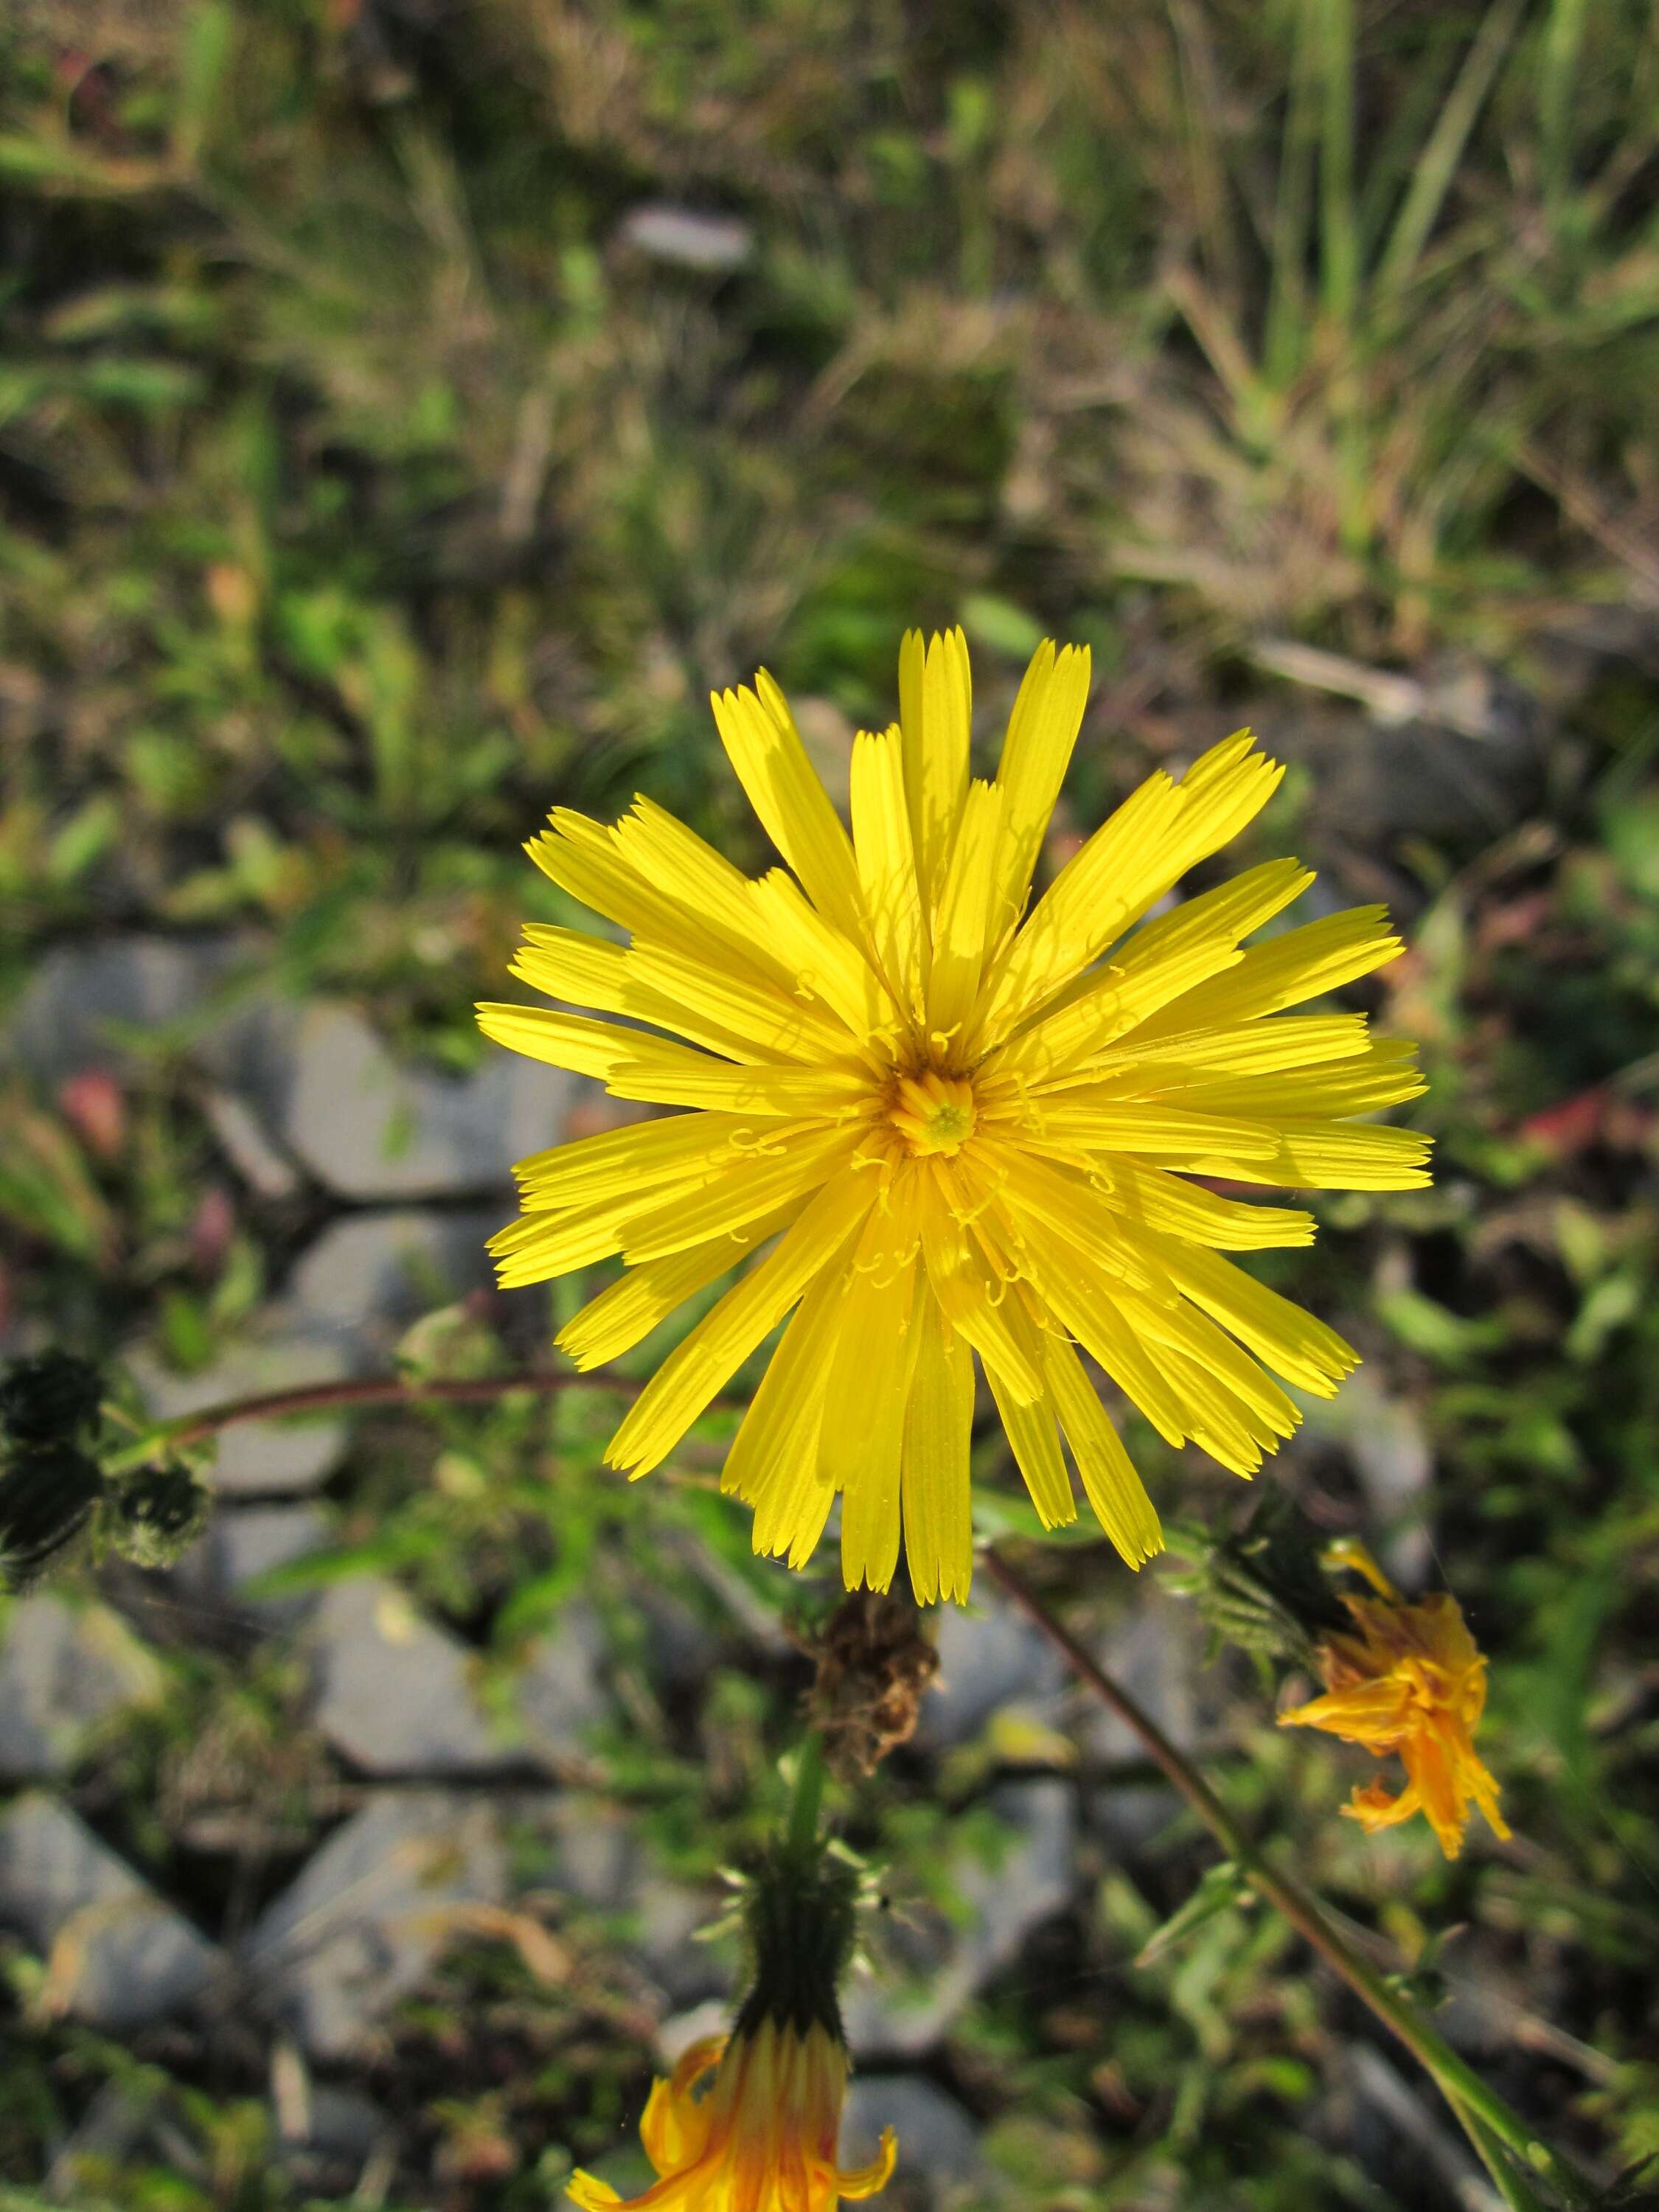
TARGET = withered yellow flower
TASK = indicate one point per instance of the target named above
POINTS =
(1410, 1678)
(970, 1128)
(761, 2138)
(761, 2135)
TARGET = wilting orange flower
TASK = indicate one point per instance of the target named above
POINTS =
(761, 2138)
(1410, 1678)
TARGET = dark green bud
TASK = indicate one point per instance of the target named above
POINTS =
(47, 1496)
(800, 1918)
(1265, 1588)
(48, 1398)
(157, 1513)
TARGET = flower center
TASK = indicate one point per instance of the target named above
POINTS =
(933, 1113)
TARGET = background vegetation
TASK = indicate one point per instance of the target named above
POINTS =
(409, 409)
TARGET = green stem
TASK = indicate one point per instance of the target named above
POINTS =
(1461, 2086)
(1511, 2185)
(808, 1800)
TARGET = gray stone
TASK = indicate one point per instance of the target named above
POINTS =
(82, 997)
(369, 1913)
(313, 1084)
(596, 1853)
(65, 1670)
(278, 1353)
(939, 2152)
(263, 1166)
(688, 238)
(560, 1692)
(935, 1963)
(668, 1918)
(372, 1129)
(366, 1278)
(241, 1544)
(1156, 1651)
(117, 1954)
(393, 1691)
(681, 1649)
(594, 1846)
(989, 1658)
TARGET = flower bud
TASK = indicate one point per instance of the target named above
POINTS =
(47, 1496)
(158, 1513)
(48, 1398)
(1265, 1588)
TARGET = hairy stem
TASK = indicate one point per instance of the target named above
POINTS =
(808, 1799)
(372, 1391)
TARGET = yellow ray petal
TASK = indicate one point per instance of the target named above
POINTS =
(587, 862)
(625, 1164)
(1386, 1075)
(1116, 1125)
(861, 1442)
(1329, 1156)
(936, 715)
(764, 747)
(1289, 1341)
(1216, 1421)
(1256, 1048)
(1056, 1199)
(585, 1047)
(968, 1297)
(773, 1461)
(541, 1245)
(730, 1331)
(753, 1185)
(594, 973)
(714, 903)
(778, 1022)
(1159, 832)
(961, 919)
(1161, 962)
(1302, 963)
(1166, 1202)
(666, 1074)
(938, 1535)
(1042, 731)
(570, 963)
(1178, 1327)
(1110, 1481)
(1034, 1438)
(887, 864)
(1075, 1296)
(829, 965)
(628, 1309)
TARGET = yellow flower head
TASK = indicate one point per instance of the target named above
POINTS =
(962, 1128)
(763, 2136)
(1408, 1679)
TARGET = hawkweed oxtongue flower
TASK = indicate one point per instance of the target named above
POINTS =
(1406, 1678)
(963, 1130)
(761, 2136)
